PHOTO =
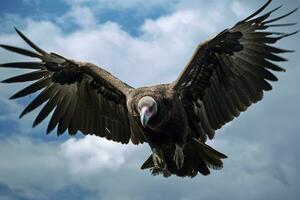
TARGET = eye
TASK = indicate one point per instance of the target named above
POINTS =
(150, 109)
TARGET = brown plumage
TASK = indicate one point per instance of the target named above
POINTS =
(224, 77)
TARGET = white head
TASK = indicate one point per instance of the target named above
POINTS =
(147, 107)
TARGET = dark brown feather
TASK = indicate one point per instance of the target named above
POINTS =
(50, 105)
(40, 99)
(66, 119)
(32, 76)
(21, 51)
(30, 42)
(58, 113)
(24, 65)
(32, 88)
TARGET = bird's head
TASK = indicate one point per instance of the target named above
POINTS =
(147, 108)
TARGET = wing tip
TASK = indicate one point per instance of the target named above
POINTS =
(35, 123)
(15, 96)
(5, 81)
(258, 11)
(24, 112)
(29, 42)
(4, 46)
(17, 30)
(281, 17)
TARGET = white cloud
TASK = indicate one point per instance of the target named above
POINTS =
(27, 164)
(239, 8)
(120, 4)
(91, 154)
(81, 16)
(38, 168)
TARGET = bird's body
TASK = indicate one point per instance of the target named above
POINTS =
(225, 76)
(169, 129)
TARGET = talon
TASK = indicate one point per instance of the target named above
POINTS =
(156, 160)
(178, 156)
(166, 172)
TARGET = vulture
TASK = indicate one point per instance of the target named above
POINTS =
(225, 76)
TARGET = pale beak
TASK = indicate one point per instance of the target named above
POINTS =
(145, 116)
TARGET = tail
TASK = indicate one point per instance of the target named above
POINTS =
(199, 157)
(211, 157)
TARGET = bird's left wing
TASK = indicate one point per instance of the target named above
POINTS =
(230, 72)
(83, 96)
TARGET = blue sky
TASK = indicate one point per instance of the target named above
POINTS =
(143, 43)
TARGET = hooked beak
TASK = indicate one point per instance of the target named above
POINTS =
(144, 116)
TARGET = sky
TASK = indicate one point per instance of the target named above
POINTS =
(143, 43)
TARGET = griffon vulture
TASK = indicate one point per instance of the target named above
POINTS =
(226, 75)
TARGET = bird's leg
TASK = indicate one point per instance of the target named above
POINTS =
(156, 158)
(178, 156)
(166, 172)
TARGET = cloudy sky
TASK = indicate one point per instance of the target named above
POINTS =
(143, 43)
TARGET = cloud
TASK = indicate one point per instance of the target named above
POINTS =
(89, 155)
(81, 16)
(8, 193)
(27, 164)
(38, 169)
(119, 4)
(238, 8)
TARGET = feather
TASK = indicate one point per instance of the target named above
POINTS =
(212, 115)
(21, 51)
(205, 123)
(58, 113)
(221, 103)
(241, 91)
(237, 100)
(32, 88)
(258, 71)
(24, 65)
(126, 130)
(263, 17)
(67, 117)
(101, 125)
(50, 105)
(281, 17)
(257, 12)
(108, 129)
(40, 99)
(32, 76)
(281, 25)
(30, 42)
(263, 48)
(272, 40)
(74, 124)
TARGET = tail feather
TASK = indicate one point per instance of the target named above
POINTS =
(199, 157)
(210, 156)
(148, 163)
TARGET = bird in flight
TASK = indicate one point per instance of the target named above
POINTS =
(225, 75)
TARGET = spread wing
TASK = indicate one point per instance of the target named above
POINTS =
(229, 73)
(82, 96)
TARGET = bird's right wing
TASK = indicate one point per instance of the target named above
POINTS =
(83, 96)
(229, 73)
